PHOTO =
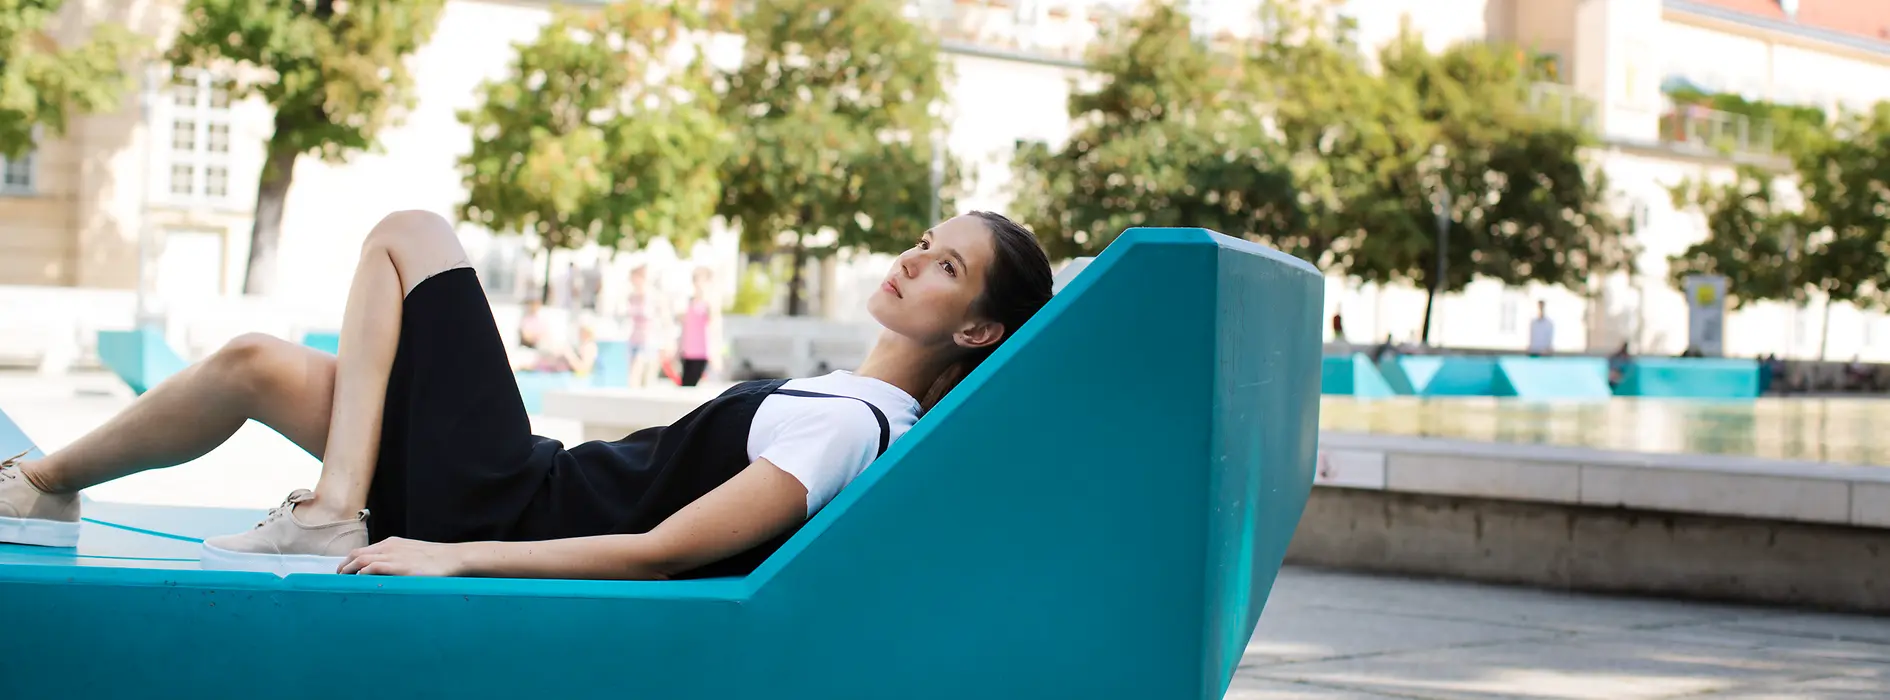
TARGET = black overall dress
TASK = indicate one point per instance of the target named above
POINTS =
(458, 462)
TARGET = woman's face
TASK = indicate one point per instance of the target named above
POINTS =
(928, 294)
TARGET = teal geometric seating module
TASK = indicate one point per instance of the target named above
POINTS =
(534, 384)
(325, 341)
(1691, 377)
(1062, 525)
(1442, 375)
(612, 368)
(1352, 375)
(613, 364)
(139, 357)
(1552, 378)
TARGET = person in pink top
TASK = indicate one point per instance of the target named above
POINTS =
(701, 329)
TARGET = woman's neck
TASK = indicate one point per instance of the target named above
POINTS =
(898, 361)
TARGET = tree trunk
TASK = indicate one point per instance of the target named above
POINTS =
(544, 287)
(1430, 297)
(794, 300)
(1824, 330)
(272, 192)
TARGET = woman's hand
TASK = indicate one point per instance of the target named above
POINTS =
(395, 556)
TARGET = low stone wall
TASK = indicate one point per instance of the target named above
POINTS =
(1700, 526)
(1592, 548)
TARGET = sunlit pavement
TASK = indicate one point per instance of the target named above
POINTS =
(1324, 634)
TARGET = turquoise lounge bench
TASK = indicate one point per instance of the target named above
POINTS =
(1691, 378)
(1352, 375)
(325, 341)
(140, 357)
(1064, 525)
(1534, 378)
(1552, 378)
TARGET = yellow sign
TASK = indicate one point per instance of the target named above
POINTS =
(1705, 294)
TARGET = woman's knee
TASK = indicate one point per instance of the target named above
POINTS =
(250, 363)
(420, 244)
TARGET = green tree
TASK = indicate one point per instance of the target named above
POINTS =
(1523, 206)
(605, 129)
(1344, 134)
(334, 72)
(43, 85)
(1164, 140)
(1845, 180)
(837, 108)
(1836, 245)
(1749, 238)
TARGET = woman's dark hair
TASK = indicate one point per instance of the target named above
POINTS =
(1018, 285)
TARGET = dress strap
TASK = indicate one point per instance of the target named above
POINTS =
(885, 428)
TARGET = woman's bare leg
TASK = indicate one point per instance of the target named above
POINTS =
(403, 250)
(282, 385)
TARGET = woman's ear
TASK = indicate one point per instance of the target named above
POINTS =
(979, 334)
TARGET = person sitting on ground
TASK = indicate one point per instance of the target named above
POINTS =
(429, 466)
(1617, 366)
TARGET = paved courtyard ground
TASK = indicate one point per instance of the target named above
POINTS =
(1324, 635)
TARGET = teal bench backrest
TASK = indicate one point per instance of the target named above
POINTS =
(1098, 511)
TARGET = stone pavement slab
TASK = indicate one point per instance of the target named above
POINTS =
(1338, 635)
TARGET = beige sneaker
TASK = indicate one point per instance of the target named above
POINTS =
(31, 516)
(283, 545)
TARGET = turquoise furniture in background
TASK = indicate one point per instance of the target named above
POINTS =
(140, 357)
(613, 364)
(325, 341)
(1691, 377)
(1063, 524)
(1352, 375)
(1531, 378)
(1441, 375)
(1552, 378)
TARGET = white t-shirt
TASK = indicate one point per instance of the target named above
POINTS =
(1541, 334)
(826, 442)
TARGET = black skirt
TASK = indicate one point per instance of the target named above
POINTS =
(458, 461)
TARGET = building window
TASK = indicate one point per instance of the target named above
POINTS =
(199, 148)
(16, 175)
(1506, 319)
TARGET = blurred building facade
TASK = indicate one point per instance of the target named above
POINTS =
(171, 177)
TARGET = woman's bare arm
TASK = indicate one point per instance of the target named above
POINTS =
(756, 505)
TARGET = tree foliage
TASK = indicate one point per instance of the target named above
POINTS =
(1524, 206)
(1748, 240)
(606, 128)
(334, 71)
(44, 85)
(1845, 180)
(1299, 141)
(836, 106)
(1164, 140)
(1836, 242)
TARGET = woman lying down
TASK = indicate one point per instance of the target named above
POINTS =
(429, 467)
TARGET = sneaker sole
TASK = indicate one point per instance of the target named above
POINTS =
(216, 559)
(39, 533)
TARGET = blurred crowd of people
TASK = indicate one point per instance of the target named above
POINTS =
(672, 339)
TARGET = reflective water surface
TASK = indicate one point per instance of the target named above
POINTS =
(1838, 430)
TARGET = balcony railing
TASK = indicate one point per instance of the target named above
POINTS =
(1709, 130)
(1052, 31)
(1564, 105)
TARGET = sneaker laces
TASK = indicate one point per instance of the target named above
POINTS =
(288, 504)
(10, 468)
